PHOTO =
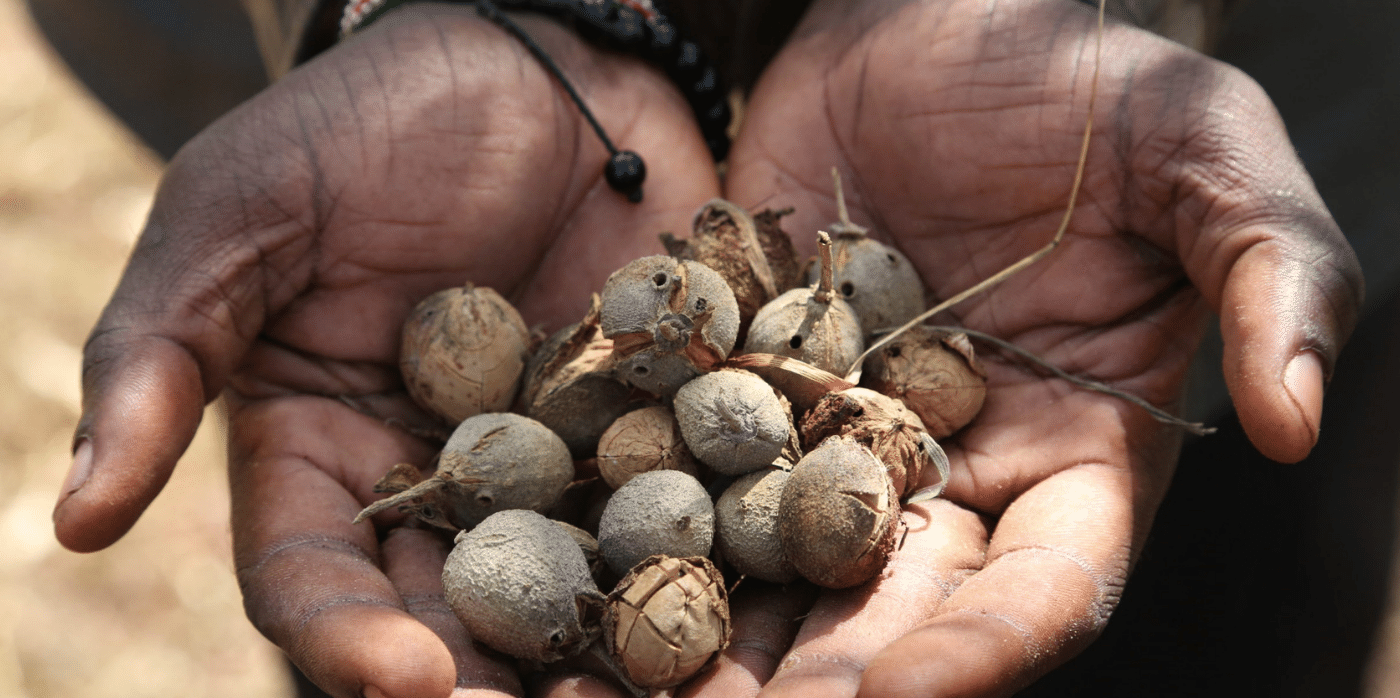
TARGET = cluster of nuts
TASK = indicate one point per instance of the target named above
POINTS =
(645, 454)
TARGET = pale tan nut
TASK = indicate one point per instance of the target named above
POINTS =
(839, 515)
(878, 281)
(570, 385)
(746, 525)
(733, 421)
(462, 352)
(796, 325)
(642, 441)
(669, 321)
(492, 462)
(663, 512)
(520, 585)
(879, 422)
(936, 374)
(666, 620)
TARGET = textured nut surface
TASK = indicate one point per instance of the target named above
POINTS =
(746, 526)
(877, 421)
(642, 441)
(936, 374)
(520, 585)
(667, 619)
(495, 462)
(796, 325)
(463, 351)
(878, 281)
(663, 512)
(838, 515)
(733, 421)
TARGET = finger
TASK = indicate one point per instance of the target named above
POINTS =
(848, 628)
(413, 561)
(312, 583)
(765, 618)
(1055, 568)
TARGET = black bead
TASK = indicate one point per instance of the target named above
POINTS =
(705, 89)
(714, 120)
(625, 173)
(664, 40)
(628, 29)
(688, 64)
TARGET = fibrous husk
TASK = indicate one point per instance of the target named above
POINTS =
(670, 320)
(520, 585)
(571, 385)
(935, 373)
(881, 423)
(838, 515)
(462, 352)
(642, 441)
(667, 619)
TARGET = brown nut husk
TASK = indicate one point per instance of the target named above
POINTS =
(667, 619)
(935, 373)
(733, 421)
(520, 585)
(571, 387)
(838, 515)
(492, 462)
(642, 441)
(463, 351)
(878, 281)
(879, 422)
(746, 525)
(669, 320)
(663, 512)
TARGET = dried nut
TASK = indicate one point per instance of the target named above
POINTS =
(669, 321)
(463, 352)
(746, 526)
(877, 280)
(663, 512)
(838, 515)
(732, 421)
(493, 462)
(879, 422)
(642, 441)
(812, 325)
(667, 619)
(935, 373)
(570, 386)
(520, 585)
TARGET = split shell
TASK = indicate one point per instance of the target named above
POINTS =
(746, 526)
(935, 373)
(879, 422)
(667, 619)
(519, 584)
(733, 421)
(462, 352)
(642, 441)
(838, 515)
(663, 512)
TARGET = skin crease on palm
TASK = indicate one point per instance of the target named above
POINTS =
(290, 239)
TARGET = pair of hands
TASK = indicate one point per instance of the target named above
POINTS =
(289, 240)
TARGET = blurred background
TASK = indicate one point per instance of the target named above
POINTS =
(159, 613)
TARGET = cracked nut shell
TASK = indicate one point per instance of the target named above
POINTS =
(666, 620)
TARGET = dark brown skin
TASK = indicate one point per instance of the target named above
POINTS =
(289, 239)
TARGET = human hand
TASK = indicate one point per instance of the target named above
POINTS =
(286, 245)
(957, 125)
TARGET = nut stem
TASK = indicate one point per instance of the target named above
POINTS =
(823, 293)
(421, 489)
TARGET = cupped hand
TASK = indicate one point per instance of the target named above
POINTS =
(957, 125)
(286, 245)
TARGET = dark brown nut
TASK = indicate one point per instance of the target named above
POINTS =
(642, 441)
(746, 526)
(520, 585)
(877, 280)
(669, 321)
(838, 515)
(732, 421)
(936, 374)
(493, 462)
(663, 512)
(463, 352)
(666, 620)
(570, 385)
(880, 423)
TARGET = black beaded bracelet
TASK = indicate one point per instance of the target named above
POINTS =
(636, 27)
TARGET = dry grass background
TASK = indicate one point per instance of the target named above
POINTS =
(159, 613)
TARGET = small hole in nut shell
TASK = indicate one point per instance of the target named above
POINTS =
(795, 342)
(660, 278)
(640, 370)
(485, 500)
(848, 289)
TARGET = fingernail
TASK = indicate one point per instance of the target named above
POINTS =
(78, 473)
(1303, 381)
